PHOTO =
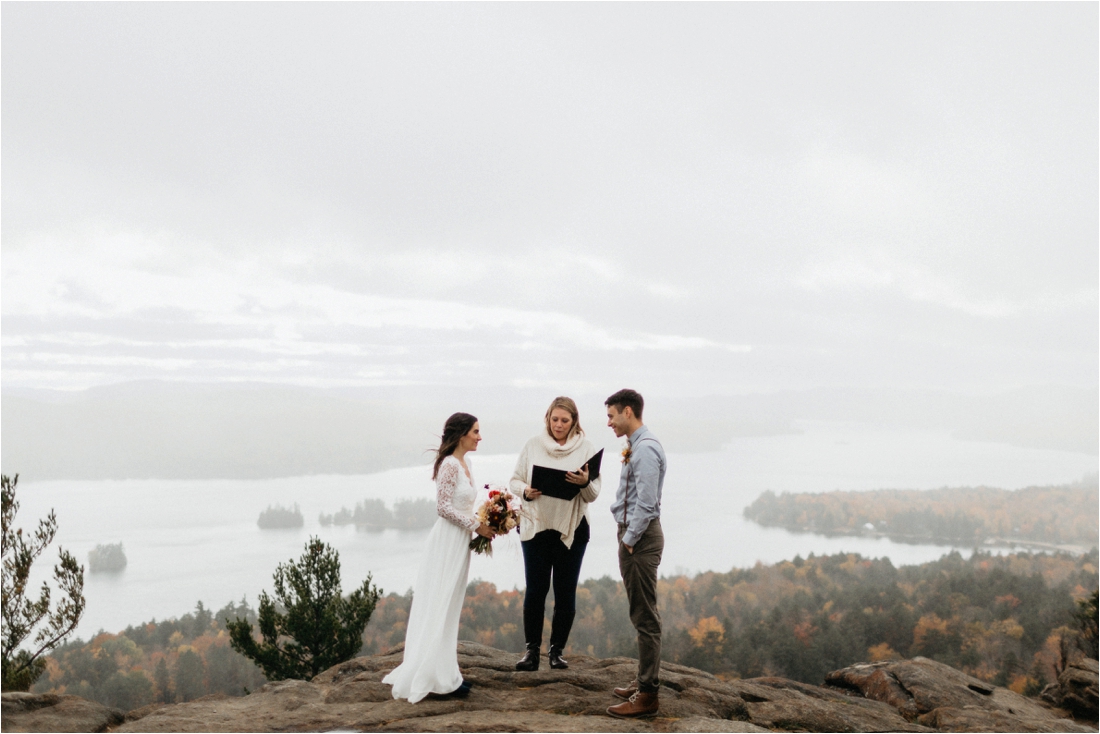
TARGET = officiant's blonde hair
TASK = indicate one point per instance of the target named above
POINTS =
(569, 406)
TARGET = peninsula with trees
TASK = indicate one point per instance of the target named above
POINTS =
(1050, 517)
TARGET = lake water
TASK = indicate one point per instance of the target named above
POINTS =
(192, 540)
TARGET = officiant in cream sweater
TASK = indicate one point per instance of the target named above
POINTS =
(554, 532)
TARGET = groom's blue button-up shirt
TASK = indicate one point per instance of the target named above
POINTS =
(640, 483)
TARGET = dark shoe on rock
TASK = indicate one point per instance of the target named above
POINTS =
(639, 706)
(463, 690)
(530, 659)
(628, 690)
(557, 662)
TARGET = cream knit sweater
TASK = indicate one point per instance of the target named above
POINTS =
(551, 513)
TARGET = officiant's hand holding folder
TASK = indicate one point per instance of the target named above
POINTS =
(553, 482)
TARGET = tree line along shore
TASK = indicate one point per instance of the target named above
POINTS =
(1003, 618)
(1048, 516)
(370, 514)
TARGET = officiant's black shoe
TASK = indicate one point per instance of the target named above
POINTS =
(530, 659)
(557, 662)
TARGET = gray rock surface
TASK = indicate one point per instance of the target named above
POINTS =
(1079, 687)
(1076, 689)
(938, 696)
(352, 696)
(916, 695)
(784, 705)
(53, 712)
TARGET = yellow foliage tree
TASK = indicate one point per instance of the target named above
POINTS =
(880, 652)
(708, 632)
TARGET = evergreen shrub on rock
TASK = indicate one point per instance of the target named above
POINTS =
(319, 628)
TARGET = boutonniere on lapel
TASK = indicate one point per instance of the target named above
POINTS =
(627, 453)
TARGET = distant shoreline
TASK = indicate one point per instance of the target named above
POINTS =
(1043, 518)
(913, 539)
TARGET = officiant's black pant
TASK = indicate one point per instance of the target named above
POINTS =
(546, 560)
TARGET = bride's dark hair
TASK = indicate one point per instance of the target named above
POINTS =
(457, 426)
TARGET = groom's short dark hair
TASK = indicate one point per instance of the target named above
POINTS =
(627, 399)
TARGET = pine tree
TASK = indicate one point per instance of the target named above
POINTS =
(190, 672)
(21, 667)
(320, 627)
(163, 682)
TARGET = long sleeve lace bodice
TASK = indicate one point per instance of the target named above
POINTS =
(448, 482)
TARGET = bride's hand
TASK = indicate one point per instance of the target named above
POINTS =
(485, 531)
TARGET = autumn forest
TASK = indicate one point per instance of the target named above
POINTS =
(998, 617)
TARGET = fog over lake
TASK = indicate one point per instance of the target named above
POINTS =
(198, 540)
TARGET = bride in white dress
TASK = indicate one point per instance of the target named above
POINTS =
(430, 663)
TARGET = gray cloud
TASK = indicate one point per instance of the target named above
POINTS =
(705, 198)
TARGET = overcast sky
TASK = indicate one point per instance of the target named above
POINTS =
(689, 199)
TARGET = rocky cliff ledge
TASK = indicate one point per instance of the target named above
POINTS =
(910, 695)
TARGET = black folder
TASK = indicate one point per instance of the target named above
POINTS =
(552, 482)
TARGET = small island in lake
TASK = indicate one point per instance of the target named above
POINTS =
(281, 517)
(108, 558)
(373, 514)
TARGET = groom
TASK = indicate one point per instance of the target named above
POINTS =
(637, 510)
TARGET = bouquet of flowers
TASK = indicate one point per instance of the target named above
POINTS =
(500, 512)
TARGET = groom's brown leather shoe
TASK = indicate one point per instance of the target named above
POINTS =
(638, 706)
(628, 690)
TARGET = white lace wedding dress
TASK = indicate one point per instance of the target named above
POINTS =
(430, 664)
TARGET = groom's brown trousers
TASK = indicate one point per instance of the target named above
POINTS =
(639, 572)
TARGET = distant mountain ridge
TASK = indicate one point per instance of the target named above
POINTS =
(163, 430)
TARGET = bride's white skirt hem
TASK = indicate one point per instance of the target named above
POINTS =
(415, 696)
(430, 663)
